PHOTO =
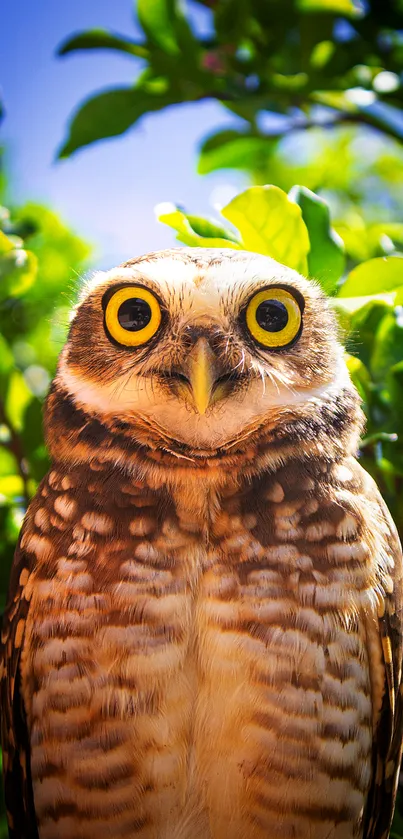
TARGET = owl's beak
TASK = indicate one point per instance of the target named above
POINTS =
(202, 374)
(201, 380)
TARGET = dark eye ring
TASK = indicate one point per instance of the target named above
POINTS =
(132, 316)
(274, 317)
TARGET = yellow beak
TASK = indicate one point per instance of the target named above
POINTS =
(201, 369)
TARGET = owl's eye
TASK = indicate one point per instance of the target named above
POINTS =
(274, 318)
(132, 316)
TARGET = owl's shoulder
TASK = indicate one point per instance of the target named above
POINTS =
(317, 504)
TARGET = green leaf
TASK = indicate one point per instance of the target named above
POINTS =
(109, 113)
(321, 54)
(394, 384)
(6, 244)
(359, 375)
(367, 241)
(31, 433)
(389, 473)
(39, 463)
(387, 348)
(364, 323)
(93, 39)
(351, 305)
(233, 150)
(326, 257)
(338, 7)
(195, 231)
(8, 462)
(210, 229)
(376, 276)
(393, 229)
(289, 82)
(271, 224)
(157, 19)
(6, 365)
(397, 372)
(337, 99)
(62, 256)
(18, 269)
(17, 399)
(11, 487)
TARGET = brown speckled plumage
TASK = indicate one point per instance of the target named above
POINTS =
(203, 641)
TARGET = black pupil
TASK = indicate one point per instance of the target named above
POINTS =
(134, 314)
(272, 315)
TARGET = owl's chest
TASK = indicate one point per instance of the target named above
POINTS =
(196, 676)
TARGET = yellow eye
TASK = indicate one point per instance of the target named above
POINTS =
(273, 317)
(132, 316)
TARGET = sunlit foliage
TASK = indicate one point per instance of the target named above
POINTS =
(316, 94)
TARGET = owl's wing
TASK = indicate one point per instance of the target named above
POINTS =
(14, 733)
(388, 735)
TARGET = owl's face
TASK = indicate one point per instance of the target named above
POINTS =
(203, 345)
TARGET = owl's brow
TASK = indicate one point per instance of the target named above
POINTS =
(136, 279)
(173, 298)
(234, 297)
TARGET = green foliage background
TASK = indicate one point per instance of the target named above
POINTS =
(39, 257)
(316, 91)
(40, 261)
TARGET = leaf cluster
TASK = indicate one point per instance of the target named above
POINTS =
(40, 260)
(307, 62)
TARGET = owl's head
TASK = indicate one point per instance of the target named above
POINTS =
(203, 347)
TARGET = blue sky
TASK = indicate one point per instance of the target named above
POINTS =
(108, 191)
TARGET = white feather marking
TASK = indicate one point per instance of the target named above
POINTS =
(223, 421)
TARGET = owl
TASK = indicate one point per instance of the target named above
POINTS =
(203, 632)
